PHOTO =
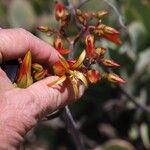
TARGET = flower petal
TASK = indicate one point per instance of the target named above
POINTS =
(43, 28)
(109, 63)
(59, 10)
(102, 13)
(40, 75)
(80, 60)
(99, 52)
(58, 81)
(81, 76)
(64, 62)
(59, 68)
(75, 86)
(37, 67)
(63, 51)
(58, 43)
(24, 77)
(90, 47)
(114, 78)
(113, 38)
(93, 76)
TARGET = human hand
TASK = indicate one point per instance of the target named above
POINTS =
(20, 109)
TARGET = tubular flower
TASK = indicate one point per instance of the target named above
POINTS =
(58, 45)
(43, 28)
(96, 56)
(101, 14)
(90, 47)
(93, 76)
(40, 75)
(38, 72)
(100, 52)
(37, 67)
(70, 70)
(109, 63)
(61, 14)
(92, 57)
(24, 77)
(114, 78)
(59, 10)
(80, 17)
(108, 33)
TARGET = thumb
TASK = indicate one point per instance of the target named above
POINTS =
(51, 98)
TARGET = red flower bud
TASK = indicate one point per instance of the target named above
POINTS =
(43, 28)
(99, 52)
(90, 47)
(59, 10)
(93, 76)
(37, 67)
(59, 69)
(109, 63)
(24, 77)
(108, 33)
(114, 78)
(102, 13)
(80, 17)
(40, 75)
(58, 45)
(113, 38)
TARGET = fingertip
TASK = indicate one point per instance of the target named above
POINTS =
(52, 98)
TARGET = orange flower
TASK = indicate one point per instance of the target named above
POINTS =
(80, 17)
(114, 78)
(109, 63)
(70, 70)
(102, 13)
(99, 52)
(93, 76)
(24, 77)
(90, 47)
(58, 45)
(59, 10)
(37, 67)
(43, 28)
(113, 38)
(38, 72)
(108, 33)
(40, 75)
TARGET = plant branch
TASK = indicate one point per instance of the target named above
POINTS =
(120, 17)
(123, 90)
(133, 100)
(72, 129)
(66, 114)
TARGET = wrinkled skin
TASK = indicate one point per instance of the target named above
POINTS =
(21, 109)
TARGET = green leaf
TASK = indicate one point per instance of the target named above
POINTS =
(137, 32)
(144, 135)
(143, 61)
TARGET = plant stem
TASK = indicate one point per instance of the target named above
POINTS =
(72, 128)
(133, 100)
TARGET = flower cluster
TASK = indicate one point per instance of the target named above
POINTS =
(80, 69)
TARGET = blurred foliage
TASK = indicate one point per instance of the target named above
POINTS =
(106, 118)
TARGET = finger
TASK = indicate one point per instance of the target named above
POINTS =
(15, 43)
(49, 99)
(5, 83)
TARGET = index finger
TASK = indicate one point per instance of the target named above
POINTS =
(14, 43)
